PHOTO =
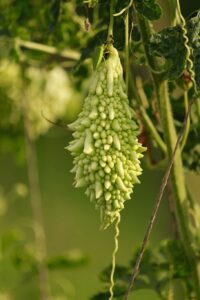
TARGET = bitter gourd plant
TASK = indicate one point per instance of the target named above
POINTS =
(105, 148)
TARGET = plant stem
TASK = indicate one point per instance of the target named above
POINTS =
(35, 198)
(127, 48)
(185, 137)
(141, 101)
(152, 130)
(69, 54)
(111, 22)
(146, 30)
(96, 14)
(178, 183)
(172, 11)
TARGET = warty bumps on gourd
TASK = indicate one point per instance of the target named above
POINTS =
(105, 147)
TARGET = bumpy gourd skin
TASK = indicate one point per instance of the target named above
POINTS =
(105, 147)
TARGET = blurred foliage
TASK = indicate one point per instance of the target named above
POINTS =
(36, 94)
(34, 85)
(34, 79)
(159, 270)
(169, 44)
(19, 262)
(69, 260)
(18, 253)
(52, 23)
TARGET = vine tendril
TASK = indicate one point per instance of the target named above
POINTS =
(124, 9)
(188, 48)
(114, 257)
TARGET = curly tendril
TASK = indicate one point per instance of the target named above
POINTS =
(188, 48)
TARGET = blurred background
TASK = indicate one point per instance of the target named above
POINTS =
(41, 83)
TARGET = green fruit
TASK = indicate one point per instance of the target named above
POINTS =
(104, 152)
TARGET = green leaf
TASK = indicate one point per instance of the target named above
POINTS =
(94, 41)
(193, 26)
(169, 44)
(97, 56)
(191, 159)
(150, 9)
(172, 251)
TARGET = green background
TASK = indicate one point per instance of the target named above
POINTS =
(71, 221)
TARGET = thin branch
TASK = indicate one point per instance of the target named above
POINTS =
(141, 93)
(69, 54)
(61, 125)
(153, 131)
(157, 205)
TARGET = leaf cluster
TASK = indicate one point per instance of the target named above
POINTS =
(19, 262)
(159, 269)
(169, 44)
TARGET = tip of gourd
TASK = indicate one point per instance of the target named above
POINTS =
(112, 50)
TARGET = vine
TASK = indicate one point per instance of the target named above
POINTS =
(157, 206)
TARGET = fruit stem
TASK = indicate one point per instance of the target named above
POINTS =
(111, 23)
